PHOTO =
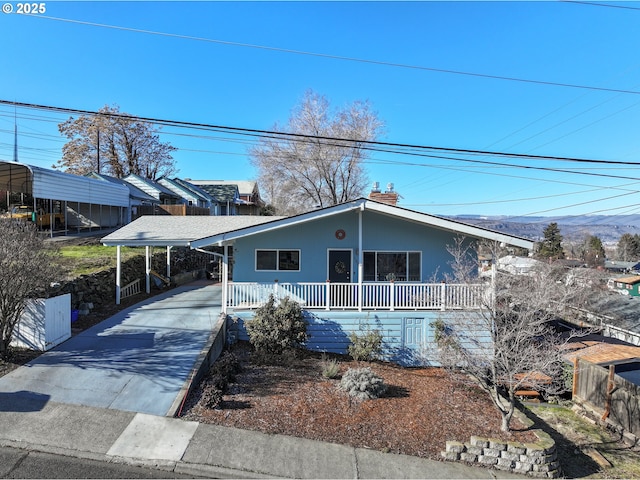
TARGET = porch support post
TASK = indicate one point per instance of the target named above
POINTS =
(360, 257)
(168, 261)
(118, 274)
(147, 269)
(225, 279)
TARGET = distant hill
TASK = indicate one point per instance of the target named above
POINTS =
(609, 228)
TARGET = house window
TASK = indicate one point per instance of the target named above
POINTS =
(284, 260)
(387, 266)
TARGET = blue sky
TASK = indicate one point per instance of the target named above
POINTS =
(183, 72)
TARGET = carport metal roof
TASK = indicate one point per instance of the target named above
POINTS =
(52, 184)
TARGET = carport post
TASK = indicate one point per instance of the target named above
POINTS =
(118, 274)
(168, 261)
(147, 268)
(225, 278)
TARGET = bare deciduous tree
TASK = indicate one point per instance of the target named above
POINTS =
(126, 145)
(302, 173)
(26, 271)
(509, 344)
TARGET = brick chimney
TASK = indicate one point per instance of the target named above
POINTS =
(388, 196)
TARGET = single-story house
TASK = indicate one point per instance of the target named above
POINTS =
(621, 267)
(354, 266)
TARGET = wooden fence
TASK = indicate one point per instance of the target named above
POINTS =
(612, 396)
(178, 210)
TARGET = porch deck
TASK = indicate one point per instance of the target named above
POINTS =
(367, 296)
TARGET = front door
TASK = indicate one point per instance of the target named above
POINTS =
(340, 266)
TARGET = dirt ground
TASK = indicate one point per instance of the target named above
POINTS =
(422, 409)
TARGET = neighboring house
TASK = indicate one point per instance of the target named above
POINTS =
(355, 266)
(226, 196)
(621, 267)
(190, 194)
(137, 198)
(154, 189)
(517, 265)
(626, 285)
(248, 192)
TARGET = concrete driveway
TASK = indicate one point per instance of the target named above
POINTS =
(138, 360)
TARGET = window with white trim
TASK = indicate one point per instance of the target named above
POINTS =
(396, 266)
(278, 260)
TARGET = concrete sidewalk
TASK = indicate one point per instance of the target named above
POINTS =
(190, 448)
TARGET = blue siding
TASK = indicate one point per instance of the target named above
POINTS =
(379, 232)
(408, 337)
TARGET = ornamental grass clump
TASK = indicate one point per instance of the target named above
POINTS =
(362, 384)
(330, 368)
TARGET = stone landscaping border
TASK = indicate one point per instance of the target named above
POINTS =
(538, 459)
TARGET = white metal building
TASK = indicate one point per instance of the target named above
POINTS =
(86, 203)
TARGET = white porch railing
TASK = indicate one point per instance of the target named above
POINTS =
(373, 296)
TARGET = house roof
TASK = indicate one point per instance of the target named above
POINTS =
(161, 230)
(134, 192)
(629, 280)
(365, 204)
(183, 189)
(245, 187)
(149, 185)
(221, 193)
(200, 231)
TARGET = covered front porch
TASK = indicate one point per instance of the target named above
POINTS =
(361, 296)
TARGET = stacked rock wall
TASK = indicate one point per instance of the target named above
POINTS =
(538, 459)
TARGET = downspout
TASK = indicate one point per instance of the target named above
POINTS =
(168, 261)
(147, 269)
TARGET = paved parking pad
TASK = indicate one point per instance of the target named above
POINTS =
(138, 360)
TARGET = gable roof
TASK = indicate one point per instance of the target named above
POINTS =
(221, 193)
(149, 186)
(245, 187)
(385, 209)
(184, 189)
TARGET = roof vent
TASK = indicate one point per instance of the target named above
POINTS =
(376, 187)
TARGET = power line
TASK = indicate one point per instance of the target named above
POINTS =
(339, 57)
(344, 142)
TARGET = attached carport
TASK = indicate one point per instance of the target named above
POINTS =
(174, 231)
(85, 202)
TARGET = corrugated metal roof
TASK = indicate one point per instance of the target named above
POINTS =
(163, 230)
(52, 184)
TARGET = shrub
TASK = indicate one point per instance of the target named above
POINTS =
(211, 395)
(365, 346)
(275, 329)
(362, 384)
(226, 366)
(330, 368)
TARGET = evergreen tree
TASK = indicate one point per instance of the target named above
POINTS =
(551, 246)
(594, 251)
(628, 247)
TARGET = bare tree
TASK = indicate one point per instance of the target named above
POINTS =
(27, 270)
(116, 144)
(508, 344)
(306, 172)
